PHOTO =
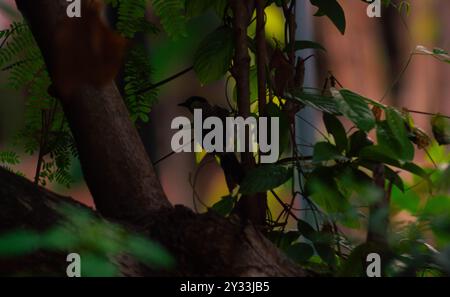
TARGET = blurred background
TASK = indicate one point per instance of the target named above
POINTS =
(367, 59)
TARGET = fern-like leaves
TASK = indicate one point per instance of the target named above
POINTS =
(21, 57)
(172, 15)
(138, 72)
(131, 17)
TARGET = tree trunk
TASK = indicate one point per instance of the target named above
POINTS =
(115, 164)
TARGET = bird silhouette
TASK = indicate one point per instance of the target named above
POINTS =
(232, 168)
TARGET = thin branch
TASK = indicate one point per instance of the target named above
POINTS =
(165, 81)
(425, 113)
(286, 208)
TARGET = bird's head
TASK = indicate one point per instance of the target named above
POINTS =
(194, 102)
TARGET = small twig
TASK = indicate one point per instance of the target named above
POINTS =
(165, 81)
(286, 208)
(425, 113)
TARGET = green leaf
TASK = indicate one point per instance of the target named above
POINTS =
(173, 19)
(358, 141)
(323, 190)
(224, 206)
(327, 253)
(306, 230)
(437, 53)
(396, 124)
(333, 10)
(59, 238)
(213, 57)
(335, 128)
(355, 107)
(441, 129)
(149, 252)
(325, 151)
(196, 8)
(380, 154)
(300, 252)
(20, 242)
(305, 44)
(391, 145)
(263, 178)
(97, 266)
(10, 158)
(322, 103)
(391, 175)
(408, 200)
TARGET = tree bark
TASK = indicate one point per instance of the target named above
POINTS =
(251, 207)
(203, 245)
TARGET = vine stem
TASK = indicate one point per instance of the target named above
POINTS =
(164, 81)
(425, 113)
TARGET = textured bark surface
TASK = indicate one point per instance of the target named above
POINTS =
(249, 207)
(203, 245)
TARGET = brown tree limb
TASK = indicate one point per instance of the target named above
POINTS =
(203, 245)
(116, 167)
(252, 207)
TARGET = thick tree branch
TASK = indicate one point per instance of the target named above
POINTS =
(116, 167)
(203, 245)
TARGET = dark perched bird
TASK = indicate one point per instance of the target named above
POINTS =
(232, 168)
(208, 110)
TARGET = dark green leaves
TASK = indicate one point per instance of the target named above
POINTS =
(224, 206)
(300, 252)
(380, 154)
(335, 128)
(325, 151)
(171, 13)
(441, 129)
(393, 137)
(80, 231)
(213, 57)
(333, 10)
(358, 141)
(264, 178)
(355, 107)
(198, 7)
(316, 101)
(18, 243)
(306, 230)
